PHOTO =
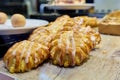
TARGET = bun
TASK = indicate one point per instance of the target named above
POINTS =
(18, 20)
(3, 17)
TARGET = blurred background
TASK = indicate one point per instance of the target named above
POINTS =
(32, 8)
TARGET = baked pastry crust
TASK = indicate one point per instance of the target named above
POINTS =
(86, 21)
(112, 18)
(44, 35)
(70, 48)
(59, 36)
(93, 35)
(110, 23)
(41, 35)
(24, 56)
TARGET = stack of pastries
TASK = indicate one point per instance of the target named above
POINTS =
(65, 42)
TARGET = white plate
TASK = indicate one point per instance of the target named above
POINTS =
(68, 6)
(8, 29)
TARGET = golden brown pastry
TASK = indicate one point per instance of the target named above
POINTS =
(44, 35)
(112, 18)
(110, 23)
(114, 14)
(41, 35)
(24, 56)
(60, 23)
(70, 48)
(18, 20)
(93, 35)
(86, 21)
(69, 42)
(3, 17)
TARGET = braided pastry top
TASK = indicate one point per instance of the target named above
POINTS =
(70, 48)
(25, 55)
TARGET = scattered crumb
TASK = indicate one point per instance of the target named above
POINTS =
(97, 46)
(104, 51)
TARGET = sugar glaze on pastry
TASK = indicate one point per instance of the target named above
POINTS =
(24, 56)
(70, 48)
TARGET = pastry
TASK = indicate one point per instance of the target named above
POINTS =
(93, 35)
(41, 35)
(70, 48)
(18, 20)
(63, 35)
(3, 17)
(86, 21)
(44, 35)
(24, 56)
(60, 23)
(110, 23)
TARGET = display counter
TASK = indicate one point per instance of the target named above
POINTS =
(103, 63)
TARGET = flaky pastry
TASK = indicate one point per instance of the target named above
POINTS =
(41, 35)
(86, 21)
(24, 56)
(44, 35)
(70, 48)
